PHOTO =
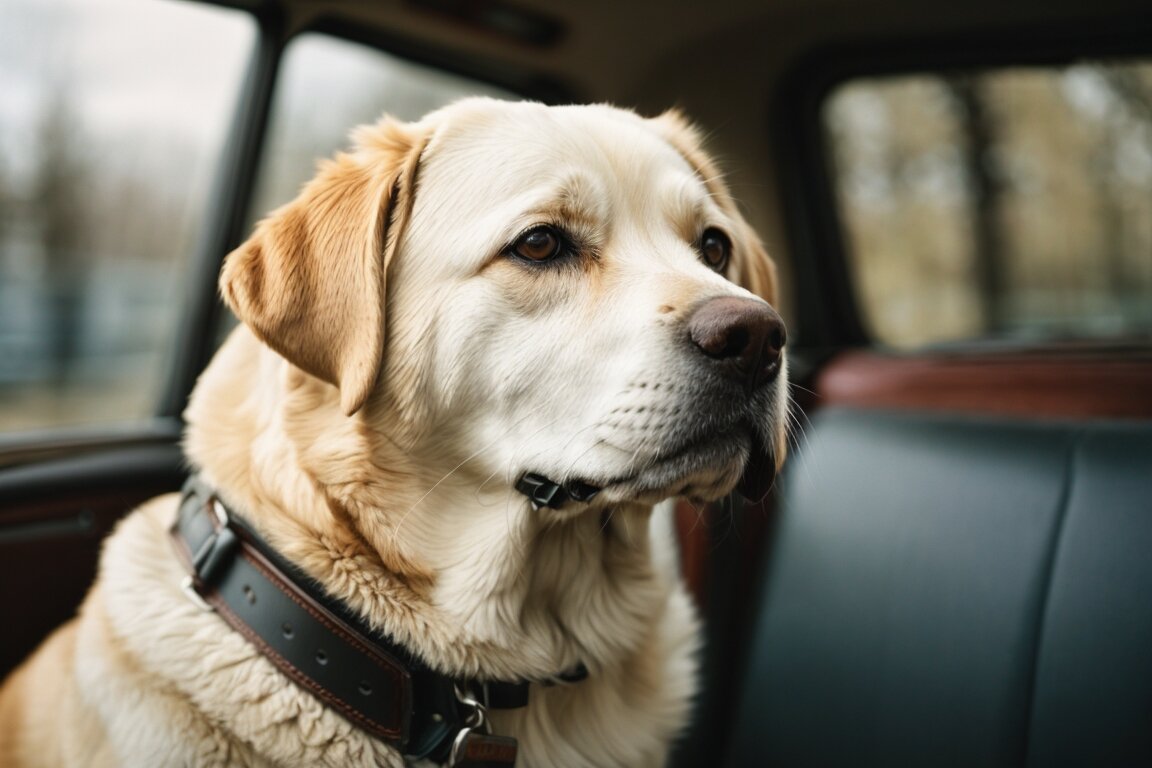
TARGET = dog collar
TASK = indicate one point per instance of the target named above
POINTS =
(320, 645)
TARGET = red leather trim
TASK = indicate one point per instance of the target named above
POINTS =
(696, 528)
(1035, 384)
(692, 522)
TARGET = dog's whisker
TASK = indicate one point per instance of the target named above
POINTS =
(578, 433)
(516, 452)
(802, 388)
(798, 434)
(797, 424)
(700, 511)
(607, 519)
(599, 442)
(477, 496)
(649, 446)
(508, 473)
(458, 467)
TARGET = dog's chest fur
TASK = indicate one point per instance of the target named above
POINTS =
(175, 682)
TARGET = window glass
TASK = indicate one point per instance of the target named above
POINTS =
(112, 119)
(355, 84)
(1011, 203)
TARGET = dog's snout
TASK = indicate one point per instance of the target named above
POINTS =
(743, 337)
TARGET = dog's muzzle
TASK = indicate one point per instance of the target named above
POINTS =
(741, 340)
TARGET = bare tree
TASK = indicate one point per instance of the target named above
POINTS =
(57, 196)
(7, 203)
(985, 183)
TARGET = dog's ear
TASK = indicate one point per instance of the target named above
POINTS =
(753, 268)
(310, 281)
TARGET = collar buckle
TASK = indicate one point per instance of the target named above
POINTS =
(474, 746)
(218, 547)
(188, 587)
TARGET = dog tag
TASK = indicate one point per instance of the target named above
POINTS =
(480, 750)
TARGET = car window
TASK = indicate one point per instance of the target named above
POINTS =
(112, 121)
(357, 84)
(1005, 203)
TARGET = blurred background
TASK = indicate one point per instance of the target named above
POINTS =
(1007, 204)
(113, 121)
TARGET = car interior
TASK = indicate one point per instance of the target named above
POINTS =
(953, 567)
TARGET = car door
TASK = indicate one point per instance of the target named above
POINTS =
(146, 141)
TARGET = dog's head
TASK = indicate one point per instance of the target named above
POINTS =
(504, 289)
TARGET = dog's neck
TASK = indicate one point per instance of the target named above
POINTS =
(441, 560)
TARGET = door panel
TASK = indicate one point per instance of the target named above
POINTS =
(53, 518)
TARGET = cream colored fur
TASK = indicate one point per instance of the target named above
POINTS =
(395, 372)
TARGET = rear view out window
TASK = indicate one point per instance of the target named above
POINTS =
(1009, 203)
(113, 115)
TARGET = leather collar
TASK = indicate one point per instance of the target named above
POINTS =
(319, 644)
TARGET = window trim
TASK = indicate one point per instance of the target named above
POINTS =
(23, 448)
(232, 189)
(526, 83)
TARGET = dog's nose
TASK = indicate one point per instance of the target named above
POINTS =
(744, 338)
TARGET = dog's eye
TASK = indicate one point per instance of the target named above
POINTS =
(539, 244)
(715, 248)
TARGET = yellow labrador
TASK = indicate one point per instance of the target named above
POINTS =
(475, 352)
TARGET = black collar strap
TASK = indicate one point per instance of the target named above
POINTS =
(543, 492)
(316, 641)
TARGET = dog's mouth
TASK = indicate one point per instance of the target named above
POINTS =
(703, 470)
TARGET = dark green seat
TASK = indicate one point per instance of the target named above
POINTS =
(946, 591)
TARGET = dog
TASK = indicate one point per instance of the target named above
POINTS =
(474, 354)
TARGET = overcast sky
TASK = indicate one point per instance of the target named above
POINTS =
(130, 70)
